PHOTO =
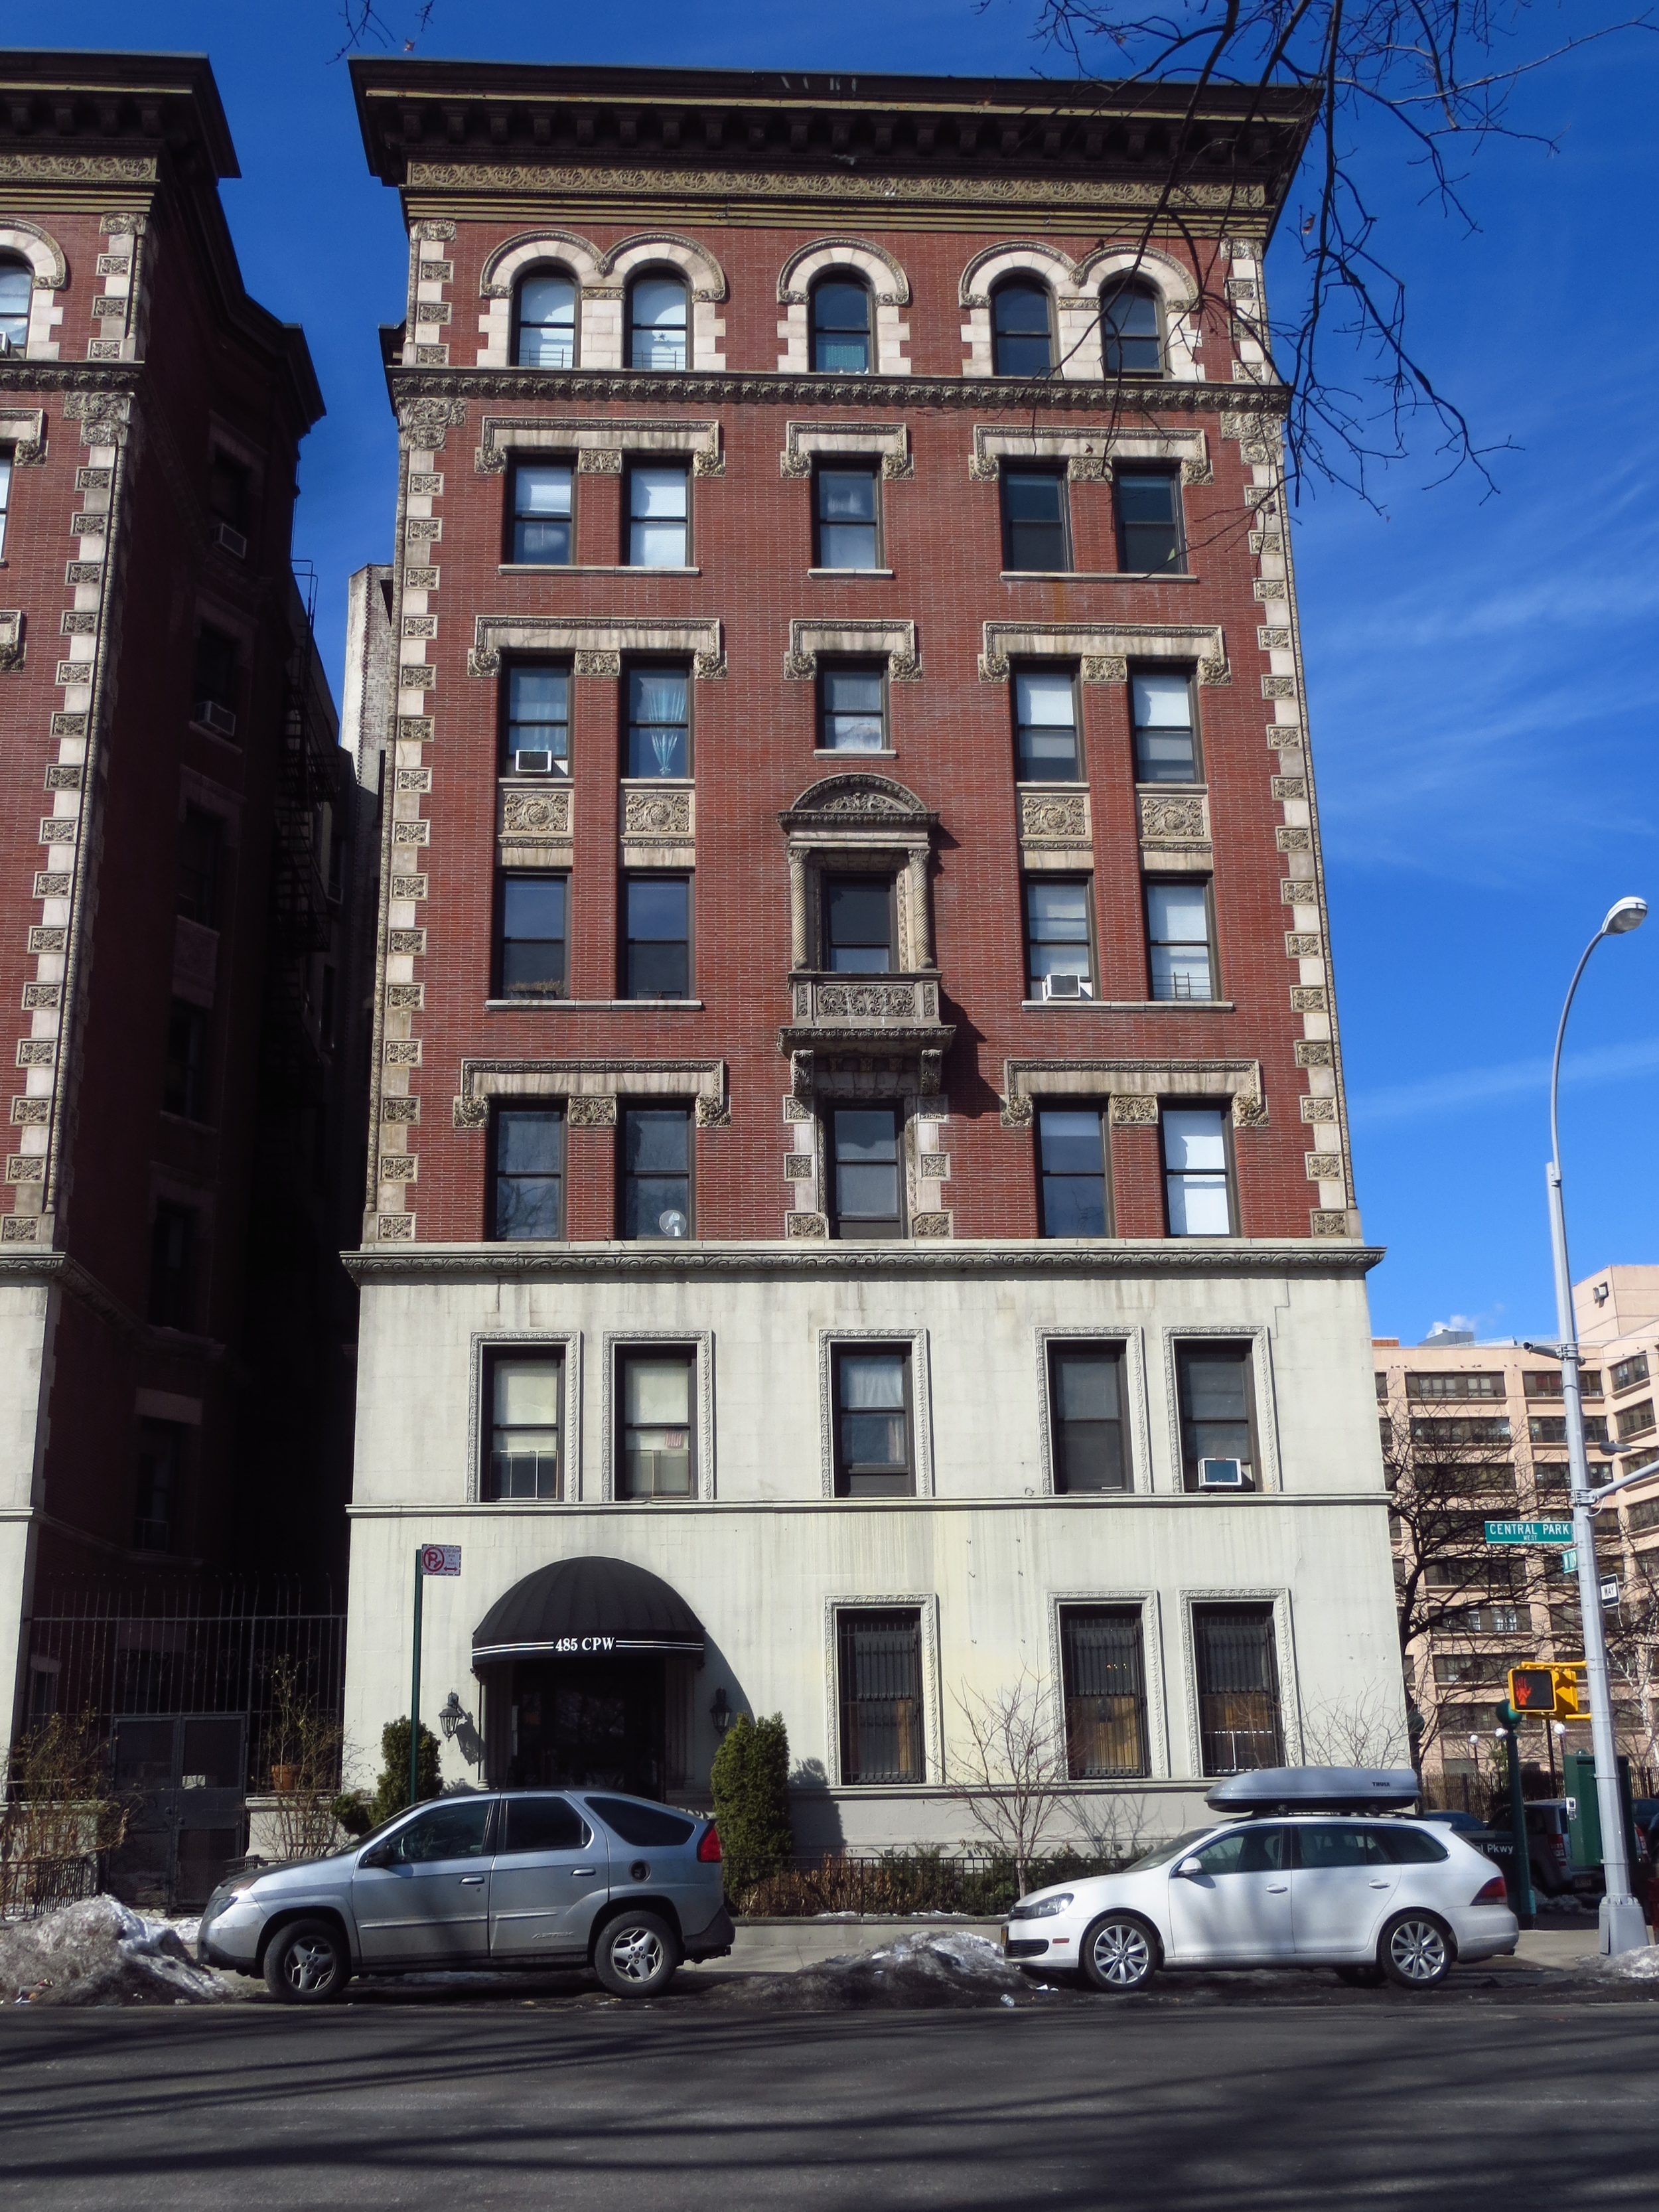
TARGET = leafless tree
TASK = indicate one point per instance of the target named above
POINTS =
(1632, 1637)
(394, 28)
(1366, 1730)
(1009, 1768)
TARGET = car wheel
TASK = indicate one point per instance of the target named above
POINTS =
(1368, 1977)
(306, 1963)
(1415, 1951)
(1119, 1954)
(636, 1956)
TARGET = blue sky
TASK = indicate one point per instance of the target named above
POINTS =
(1480, 669)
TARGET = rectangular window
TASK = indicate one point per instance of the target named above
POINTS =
(1546, 1428)
(852, 710)
(530, 937)
(1045, 727)
(657, 1458)
(1150, 537)
(1178, 940)
(873, 1455)
(544, 509)
(1072, 1166)
(1590, 1383)
(1542, 1382)
(879, 1659)
(1104, 1673)
(172, 1266)
(656, 1171)
(847, 515)
(1059, 961)
(184, 1080)
(1635, 1421)
(868, 1184)
(1196, 1178)
(538, 721)
(228, 481)
(1086, 1403)
(1212, 1384)
(659, 722)
(214, 693)
(526, 1424)
(5, 492)
(200, 837)
(657, 951)
(1036, 527)
(1166, 742)
(1468, 1385)
(161, 1479)
(658, 526)
(529, 1173)
(1239, 1724)
(1629, 1372)
(858, 925)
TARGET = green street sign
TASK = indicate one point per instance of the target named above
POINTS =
(1569, 1560)
(1529, 1532)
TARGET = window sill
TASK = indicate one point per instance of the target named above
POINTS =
(856, 573)
(592, 1005)
(581, 568)
(184, 1122)
(1130, 1005)
(201, 730)
(1096, 576)
(853, 753)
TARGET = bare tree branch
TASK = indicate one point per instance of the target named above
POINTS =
(366, 25)
(1009, 1768)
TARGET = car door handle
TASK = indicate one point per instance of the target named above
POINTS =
(1382, 1885)
(1277, 1888)
(576, 1871)
(472, 1880)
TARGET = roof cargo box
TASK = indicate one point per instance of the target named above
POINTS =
(1317, 1790)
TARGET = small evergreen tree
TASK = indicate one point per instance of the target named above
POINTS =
(751, 1778)
(391, 1791)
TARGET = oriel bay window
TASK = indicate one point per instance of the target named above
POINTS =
(867, 1176)
(657, 1456)
(659, 516)
(526, 1424)
(1085, 1415)
(874, 1453)
(656, 944)
(655, 1161)
(659, 722)
(879, 1658)
(1071, 1167)
(1037, 534)
(1218, 1441)
(845, 515)
(527, 1176)
(538, 738)
(1102, 1670)
(1197, 1199)
(858, 925)
(1240, 1724)
(530, 943)
(1178, 939)
(542, 511)
(852, 710)
(1166, 745)
(1045, 727)
(1060, 962)
(1150, 540)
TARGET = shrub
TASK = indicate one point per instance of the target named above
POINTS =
(354, 1812)
(391, 1791)
(750, 1779)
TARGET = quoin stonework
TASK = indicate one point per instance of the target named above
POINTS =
(860, 1213)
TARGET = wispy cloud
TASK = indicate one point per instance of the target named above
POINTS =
(1476, 1087)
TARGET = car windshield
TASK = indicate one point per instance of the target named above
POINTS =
(374, 1835)
(1172, 1848)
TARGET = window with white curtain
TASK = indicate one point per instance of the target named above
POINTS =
(658, 1458)
(1178, 940)
(657, 322)
(545, 336)
(526, 1391)
(659, 722)
(874, 1451)
(5, 492)
(1195, 1179)
(659, 517)
(17, 294)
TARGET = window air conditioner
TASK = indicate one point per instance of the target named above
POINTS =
(231, 540)
(6, 345)
(533, 761)
(1068, 986)
(212, 716)
(1223, 1474)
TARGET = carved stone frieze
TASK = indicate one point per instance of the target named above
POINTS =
(1324, 1167)
(1290, 787)
(897, 641)
(591, 663)
(471, 1113)
(413, 778)
(930, 1224)
(400, 1109)
(409, 887)
(591, 1113)
(1302, 943)
(539, 813)
(12, 646)
(1128, 1111)
(815, 1225)
(657, 814)
(1017, 1113)
(934, 1167)
(106, 417)
(1315, 1052)
(1249, 1111)
(798, 1167)
(31, 1112)
(422, 423)
(1307, 997)
(1104, 649)
(599, 461)
(713, 1113)
(1328, 1225)
(411, 833)
(1183, 818)
(403, 1052)
(1292, 837)
(406, 940)
(1319, 1110)
(395, 1228)
(1278, 687)
(1060, 819)
(867, 1001)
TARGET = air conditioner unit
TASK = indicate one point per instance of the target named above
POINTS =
(212, 716)
(1224, 1474)
(1068, 986)
(6, 345)
(535, 761)
(231, 540)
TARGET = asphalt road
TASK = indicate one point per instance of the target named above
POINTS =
(1256, 2110)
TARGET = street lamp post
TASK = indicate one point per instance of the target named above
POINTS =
(1622, 1924)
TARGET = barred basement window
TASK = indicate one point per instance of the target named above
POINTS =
(527, 1402)
(1239, 1721)
(879, 1658)
(1103, 1669)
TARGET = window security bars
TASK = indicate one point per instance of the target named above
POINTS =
(1104, 1671)
(881, 1710)
(1240, 1726)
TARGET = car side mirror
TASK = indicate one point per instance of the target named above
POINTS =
(377, 1855)
(1191, 1870)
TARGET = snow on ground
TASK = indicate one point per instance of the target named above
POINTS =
(1641, 1965)
(101, 1952)
(951, 1967)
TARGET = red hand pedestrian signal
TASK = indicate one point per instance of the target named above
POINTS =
(1532, 1689)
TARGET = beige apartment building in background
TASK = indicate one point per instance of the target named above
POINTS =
(1490, 1415)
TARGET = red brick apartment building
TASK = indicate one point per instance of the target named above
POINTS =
(861, 1213)
(172, 1316)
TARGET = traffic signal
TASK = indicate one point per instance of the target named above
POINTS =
(1533, 1689)
(1571, 1698)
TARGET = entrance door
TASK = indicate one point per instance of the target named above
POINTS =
(1238, 1907)
(430, 1903)
(1340, 1889)
(589, 1723)
(550, 1876)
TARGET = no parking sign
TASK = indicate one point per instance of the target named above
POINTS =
(440, 1558)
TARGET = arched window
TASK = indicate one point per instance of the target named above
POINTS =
(546, 320)
(840, 327)
(1021, 339)
(16, 289)
(1131, 330)
(657, 323)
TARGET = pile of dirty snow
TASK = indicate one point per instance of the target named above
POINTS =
(1641, 1965)
(949, 1968)
(99, 1953)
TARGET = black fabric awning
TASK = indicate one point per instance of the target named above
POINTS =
(587, 1608)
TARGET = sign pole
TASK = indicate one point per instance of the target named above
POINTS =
(415, 1685)
(1523, 1903)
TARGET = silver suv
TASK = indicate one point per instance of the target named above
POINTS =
(525, 1879)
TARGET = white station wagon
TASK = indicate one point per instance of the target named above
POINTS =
(1303, 1867)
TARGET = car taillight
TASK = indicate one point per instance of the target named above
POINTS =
(1495, 1892)
(1559, 1848)
(708, 1850)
